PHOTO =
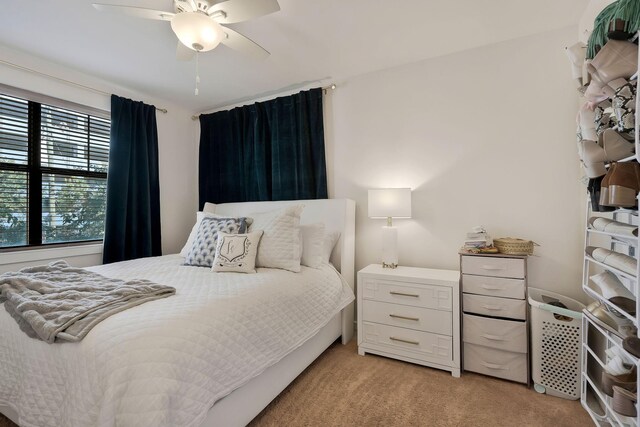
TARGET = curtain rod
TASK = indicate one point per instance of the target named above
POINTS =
(29, 70)
(331, 86)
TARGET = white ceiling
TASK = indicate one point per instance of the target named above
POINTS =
(309, 41)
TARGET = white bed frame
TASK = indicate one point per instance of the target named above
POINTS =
(242, 405)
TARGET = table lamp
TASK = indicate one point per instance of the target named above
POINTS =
(390, 203)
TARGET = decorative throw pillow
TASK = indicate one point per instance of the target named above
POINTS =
(210, 209)
(280, 244)
(203, 250)
(237, 252)
(312, 244)
(194, 230)
(330, 240)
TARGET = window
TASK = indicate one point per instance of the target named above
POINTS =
(53, 174)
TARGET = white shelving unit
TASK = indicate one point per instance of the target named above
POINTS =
(596, 339)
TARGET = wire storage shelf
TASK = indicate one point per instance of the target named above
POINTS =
(600, 341)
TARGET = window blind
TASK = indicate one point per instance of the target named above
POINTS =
(53, 170)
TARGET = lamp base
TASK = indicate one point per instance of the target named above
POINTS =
(389, 247)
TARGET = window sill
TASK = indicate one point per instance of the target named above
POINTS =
(31, 255)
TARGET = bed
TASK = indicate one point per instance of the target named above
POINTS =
(215, 354)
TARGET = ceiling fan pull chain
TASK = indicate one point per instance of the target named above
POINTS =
(197, 73)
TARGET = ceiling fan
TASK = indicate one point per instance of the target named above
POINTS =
(198, 24)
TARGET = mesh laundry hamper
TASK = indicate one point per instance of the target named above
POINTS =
(555, 344)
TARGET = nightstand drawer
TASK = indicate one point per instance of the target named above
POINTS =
(421, 345)
(497, 363)
(494, 306)
(507, 335)
(427, 296)
(405, 316)
(497, 267)
(493, 286)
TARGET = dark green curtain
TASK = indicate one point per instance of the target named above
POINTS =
(132, 224)
(271, 150)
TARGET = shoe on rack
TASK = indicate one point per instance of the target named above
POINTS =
(593, 158)
(632, 345)
(613, 259)
(586, 122)
(613, 290)
(627, 381)
(611, 226)
(623, 103)
(624, 401)
(615, 146)
(594, 187)
(604, 186)
(617, 366)
(624, 184)
(622, 327)
(616, 59)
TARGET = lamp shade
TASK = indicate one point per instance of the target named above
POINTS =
(197, 31)
(390, 203)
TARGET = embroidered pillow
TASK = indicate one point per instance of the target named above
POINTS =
(237, 252)
(203, 249)
(280, 245)
(194, 229)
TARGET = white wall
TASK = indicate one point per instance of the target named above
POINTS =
(177, 145)
(484, 137)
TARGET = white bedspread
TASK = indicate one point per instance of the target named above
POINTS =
(166, 362)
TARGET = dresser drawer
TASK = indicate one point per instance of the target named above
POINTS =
(497, 363)
(493, 286)
(406, 316)
(420, 345)
(494, 306)
(496, 267)
(508, 335)
(427, 296)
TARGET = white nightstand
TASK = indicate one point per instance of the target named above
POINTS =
(410, 314)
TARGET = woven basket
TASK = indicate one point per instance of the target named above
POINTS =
(511, 246)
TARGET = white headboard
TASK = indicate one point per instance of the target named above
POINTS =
(336, 214)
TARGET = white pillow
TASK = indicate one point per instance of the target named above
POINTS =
(312, 244)
(237, 252)
(280, 246)
(194, 230)
(330, 240)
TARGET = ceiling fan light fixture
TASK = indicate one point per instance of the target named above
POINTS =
(197, 31)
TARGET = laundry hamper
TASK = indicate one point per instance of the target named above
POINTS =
(555, 344)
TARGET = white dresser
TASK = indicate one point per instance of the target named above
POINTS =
(495, 330)
(410, 314)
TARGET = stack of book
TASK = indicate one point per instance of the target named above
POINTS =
(478, 239)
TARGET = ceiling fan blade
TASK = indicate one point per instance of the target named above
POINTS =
(243, 44)
(183, 53)
(138, 12)
(232, 11)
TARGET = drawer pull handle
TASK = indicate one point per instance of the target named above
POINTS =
(397, 316)
(404, 294)
(494, 366)
(492, 307)
(490, 267)
(405, 341)
(492, 337)
(491, 288)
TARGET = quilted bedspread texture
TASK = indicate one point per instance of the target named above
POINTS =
(165, 363)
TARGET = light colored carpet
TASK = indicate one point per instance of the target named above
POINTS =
(342, 388)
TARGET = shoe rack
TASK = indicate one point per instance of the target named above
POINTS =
(597, 338)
